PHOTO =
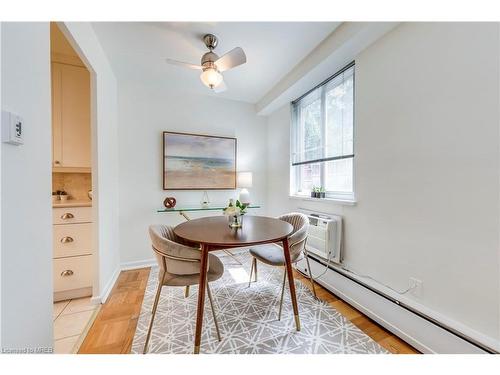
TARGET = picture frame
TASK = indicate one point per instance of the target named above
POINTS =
(198, 161)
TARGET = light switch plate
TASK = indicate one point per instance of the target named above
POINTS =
(12, 128)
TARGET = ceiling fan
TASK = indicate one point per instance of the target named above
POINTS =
(212, 65)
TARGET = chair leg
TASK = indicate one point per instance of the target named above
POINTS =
(213, 311)
(282, 294)
(251, 272)
(255, 267)
(186, 292)
(310, 275)
(232, 256)
(155, 306)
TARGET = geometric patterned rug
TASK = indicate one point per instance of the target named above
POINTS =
(248, 317)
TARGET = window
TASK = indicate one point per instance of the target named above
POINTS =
(322, 138)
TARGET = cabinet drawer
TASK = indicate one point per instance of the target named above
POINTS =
(71, 240)
(72, 273)
(68, 215)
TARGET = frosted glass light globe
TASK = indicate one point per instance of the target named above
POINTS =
(211, 78)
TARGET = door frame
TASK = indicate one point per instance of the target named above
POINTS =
(94, 156)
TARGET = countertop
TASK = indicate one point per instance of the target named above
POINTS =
(73, 203)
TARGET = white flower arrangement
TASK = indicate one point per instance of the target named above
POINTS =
(235, 209)
(234, 213)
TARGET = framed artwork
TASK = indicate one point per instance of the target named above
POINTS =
(198, 162)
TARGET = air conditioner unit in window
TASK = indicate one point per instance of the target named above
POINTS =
(324, 236)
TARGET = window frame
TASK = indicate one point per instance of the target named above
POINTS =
(295, 170)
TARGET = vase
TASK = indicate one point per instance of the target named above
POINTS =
(205, 201)
(235, 221)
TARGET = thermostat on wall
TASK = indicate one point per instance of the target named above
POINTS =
(12, 128)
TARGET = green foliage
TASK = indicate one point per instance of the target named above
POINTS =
(238, 204)
(241, 206)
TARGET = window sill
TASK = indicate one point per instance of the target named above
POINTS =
(345, 201)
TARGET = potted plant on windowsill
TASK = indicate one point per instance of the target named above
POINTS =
(318, 192)
(322, 192)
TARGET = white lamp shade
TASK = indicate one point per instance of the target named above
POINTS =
(244, 196)
(211, 78)
(244, 179)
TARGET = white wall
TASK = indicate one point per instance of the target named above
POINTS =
(426, 170)
(26, 255)
(0, 194)
(145, 111)
(338, 49)
(105, 145)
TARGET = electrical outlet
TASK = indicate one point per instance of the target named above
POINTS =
(416, 287)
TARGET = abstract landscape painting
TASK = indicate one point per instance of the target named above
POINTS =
(202, 162)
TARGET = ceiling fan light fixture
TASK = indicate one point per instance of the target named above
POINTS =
(211, 78)
(212, 65)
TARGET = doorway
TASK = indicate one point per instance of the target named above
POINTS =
(74, 253)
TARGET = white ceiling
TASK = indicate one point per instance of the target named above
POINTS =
(138, 50)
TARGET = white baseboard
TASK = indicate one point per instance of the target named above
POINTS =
(126, 266)
(96, 300)
(72, 294)
(107, 289)
(138, 264)
(421, 333)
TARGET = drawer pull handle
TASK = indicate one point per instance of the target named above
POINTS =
(67, 273)
(67, 215)
(67, 239)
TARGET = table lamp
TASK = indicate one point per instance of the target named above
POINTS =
(244, 181)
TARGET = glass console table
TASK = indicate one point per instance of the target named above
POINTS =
(182, 211)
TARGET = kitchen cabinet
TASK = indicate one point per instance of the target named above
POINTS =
(72, 252)
(71, 150)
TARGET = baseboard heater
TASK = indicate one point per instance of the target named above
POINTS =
(419, 330)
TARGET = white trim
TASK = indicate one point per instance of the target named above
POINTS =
(138, 264)
(489, 341)
(415, 330)
(347, 202)
(96, 300)
(107, 289)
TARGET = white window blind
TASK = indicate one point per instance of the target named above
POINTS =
(323, 134)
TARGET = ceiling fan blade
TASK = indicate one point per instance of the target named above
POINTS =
(231, 59)
(220, 88)
(184, 64)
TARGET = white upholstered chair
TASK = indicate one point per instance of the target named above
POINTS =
(179, 265)
(272, 254)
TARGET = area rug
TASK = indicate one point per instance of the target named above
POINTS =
(248, 318)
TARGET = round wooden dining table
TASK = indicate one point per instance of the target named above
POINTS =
(213, 233)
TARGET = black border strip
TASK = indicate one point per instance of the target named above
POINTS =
(323, 159)
(408, 308)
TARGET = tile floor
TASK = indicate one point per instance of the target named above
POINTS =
(72, 318)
